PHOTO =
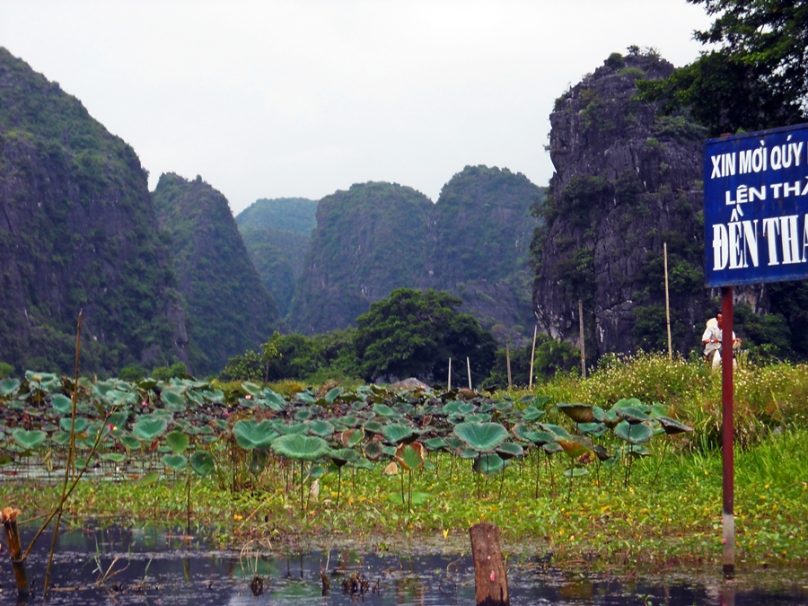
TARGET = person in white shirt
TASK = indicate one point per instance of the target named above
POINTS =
(712, 342)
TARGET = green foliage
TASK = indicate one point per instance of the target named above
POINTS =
(6, 370)
(164, 373)
(412, 333)
(757, 77)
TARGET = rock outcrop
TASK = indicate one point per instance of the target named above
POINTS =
(627, 180)
(77, 232)
(229, 309)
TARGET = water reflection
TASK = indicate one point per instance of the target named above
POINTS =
(152, 566)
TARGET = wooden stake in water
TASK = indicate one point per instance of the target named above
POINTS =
(490, 578)
(468, 369)
(9, 518)
(449, 384)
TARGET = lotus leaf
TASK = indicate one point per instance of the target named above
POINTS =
(177, 441)
(272, 400)
(350, 437)
(42, 381)
(28, 439)
(397, 433)
(383, 410)
(80, 425)
(118, 419)
(129, 442)
(333, 394)
(373, 426)
(305, 397)
(304, 414)
(575, 446)
(487, 464)
(556, 430)
(373, 450)
(478, 417)
(175, 461)
(410, 456)
(251, 388)
(202, 463)
(592, 429)
(298, 446)
(482, 437)
(632, 414)
(113, 457)
(173, 400)
(672, 426)
(9, 387)
(253, 434)
(633, 433)
(551, 447)
(433, 444)
(149, 427)
(580, 413)
(61, 403)
(531, 413)
(320, 428)
(341, 456)
(509, 450)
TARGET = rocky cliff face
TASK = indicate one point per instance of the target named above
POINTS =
(229, 310)
(277, 233)
(626, 181)
(376, 237)
(77, 232)
(369, 240)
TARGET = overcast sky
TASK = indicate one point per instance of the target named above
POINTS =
(276, 98)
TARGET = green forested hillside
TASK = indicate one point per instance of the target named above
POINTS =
(229, 310)
(369, 240)
(277, 234)
(77, 232)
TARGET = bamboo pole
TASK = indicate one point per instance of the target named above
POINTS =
(508, 364)
(468, 369)
(449, 384)
(533, 354)
(9, 518)
(581, 337)
(667, 300)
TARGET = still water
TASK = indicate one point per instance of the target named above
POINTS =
(152, 566)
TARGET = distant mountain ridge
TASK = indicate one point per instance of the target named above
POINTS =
(376, 237)
(277, 233)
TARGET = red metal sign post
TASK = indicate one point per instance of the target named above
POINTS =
(727, 431)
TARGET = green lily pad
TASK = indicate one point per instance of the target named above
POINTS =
(202, 463)
(301, 447)
(149, 427)
(320, 428)
(397, 433)
(580, 413)
(61, 403)
(487, 464)
(177, 441)
(28, 439)
(509, 450)
(253, 434)
(79, 426)
(481, 437)
(633, 433)
(175, 461)
(333, 394)
(9, 387)
(341, 456)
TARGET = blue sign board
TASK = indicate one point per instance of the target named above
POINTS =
(756, 207)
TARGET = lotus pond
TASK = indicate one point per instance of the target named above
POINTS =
(155, 565)
(622, 489)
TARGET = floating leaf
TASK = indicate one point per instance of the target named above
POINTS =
(487, 464)
(333, 394)
(481, 436)
(320, 428)
(149, 427)
(61, 403)
(350, 437)
(252, 434)
(202, 463)
(177, 441)
(79, 426)
(410, 456)
(9, 387)
(633, 433)
(28, 439)
(383, 410)
(177, 462)
(397, 433)
(298, 446)
(672, 426)
(580, 413)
